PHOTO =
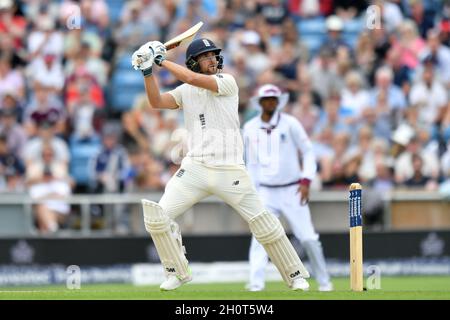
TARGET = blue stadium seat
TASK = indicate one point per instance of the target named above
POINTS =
(124, 62)
(115, 9)
(125, 86)
(127, 78)
(354, 26)
(313, 42)
(81, 155)
(312, 26)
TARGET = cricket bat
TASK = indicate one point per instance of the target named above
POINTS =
(185, 37)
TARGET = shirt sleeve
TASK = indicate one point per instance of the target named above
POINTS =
(227, 85)
(303, 143)
(177, 95)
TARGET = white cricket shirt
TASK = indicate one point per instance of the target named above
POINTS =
(273, 151)
(212, 121)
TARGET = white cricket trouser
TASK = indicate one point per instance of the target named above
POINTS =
(195, 181)
(286, 201)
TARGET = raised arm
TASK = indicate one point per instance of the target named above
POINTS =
(185, 75)
(158, 100)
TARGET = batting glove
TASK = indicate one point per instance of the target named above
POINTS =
(159, 52)
(142, 59)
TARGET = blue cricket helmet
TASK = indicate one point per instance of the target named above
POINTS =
(196, 48)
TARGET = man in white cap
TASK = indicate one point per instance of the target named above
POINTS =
(273, 141)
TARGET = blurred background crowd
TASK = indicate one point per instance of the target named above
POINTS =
(369, 81)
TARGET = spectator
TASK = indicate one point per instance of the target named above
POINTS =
(77, 83)
(310, 8)
(273, 11)
(14, 133)
(402, 73)
(423, 19)
(49, 184)
(260, 62)
(404, 166)
(335, 169)
(365, 53)
(10, 79)
(430, 97)
(306, 112)
(48, 72)
(45, 136)
(354, 97)
(45, 39)
(147, 173)
(409, 44)
(418, 179)
(11, 23)
(331, 117)
(140, 124)
(439, 54)
(135, 32)
(11, 169)
(44, 108)
(111, 165)
(91, 63)
(334, 38)
(323, 74)
(84, 116)
(348, 9)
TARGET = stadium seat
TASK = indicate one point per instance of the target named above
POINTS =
(313, 42)
(311, 26)
(81, 154)
(115, 9)
(125, 85)
(124, 62)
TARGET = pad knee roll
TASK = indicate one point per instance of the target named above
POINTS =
(268, 230)
(167, 239)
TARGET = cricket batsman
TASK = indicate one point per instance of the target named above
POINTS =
(275, 146)
(213, 164)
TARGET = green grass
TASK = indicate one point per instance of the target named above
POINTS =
(392, 288)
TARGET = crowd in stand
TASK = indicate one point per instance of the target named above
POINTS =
(377, 108)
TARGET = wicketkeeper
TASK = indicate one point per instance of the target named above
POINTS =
(213, 165)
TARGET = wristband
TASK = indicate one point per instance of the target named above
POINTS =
(305, 182)
(159, 60)
(147, 72)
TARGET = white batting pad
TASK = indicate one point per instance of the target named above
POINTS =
(167, 239)
(268, 230)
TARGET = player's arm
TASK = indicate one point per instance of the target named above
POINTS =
(143, 59)
(185, 75)
(158, 100)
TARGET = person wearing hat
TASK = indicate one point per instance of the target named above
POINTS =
(334, 39)
(214, 163)
(280, 180)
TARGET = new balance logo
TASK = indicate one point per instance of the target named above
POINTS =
(235, 183)
(296, 273)
(170, 269)
(180, 173)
